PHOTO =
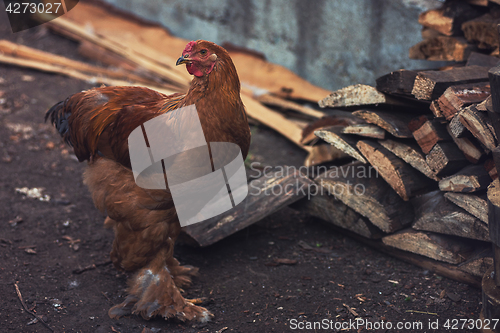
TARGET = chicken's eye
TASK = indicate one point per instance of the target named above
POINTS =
(203, 52)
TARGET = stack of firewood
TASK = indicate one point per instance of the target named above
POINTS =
(425, 144)
(458, 28)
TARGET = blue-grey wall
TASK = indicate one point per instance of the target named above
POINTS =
(332, 43)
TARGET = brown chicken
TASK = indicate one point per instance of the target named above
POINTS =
(97, 124)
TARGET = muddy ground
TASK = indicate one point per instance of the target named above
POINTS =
(43, 244)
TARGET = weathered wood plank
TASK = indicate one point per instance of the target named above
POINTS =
(472, 178)
(411, 154)
(395, 124)
(476, 205)
(438, 247)
(266, 196)
(362, 189)
(346, 143)
(404, 179)
(481, 59)
(429, 85)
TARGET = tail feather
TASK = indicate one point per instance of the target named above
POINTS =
(59, 116)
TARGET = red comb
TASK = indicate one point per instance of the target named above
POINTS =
(189, 46)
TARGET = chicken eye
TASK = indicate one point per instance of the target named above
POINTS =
(203, 52)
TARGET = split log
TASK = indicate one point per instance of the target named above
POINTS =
(444, 269)
(477, 265)
(448, 18)
(455, 98)
(476, 205)
(322, 153)
(397, 83)
(434, 213)
(411, 154)
(428, 132)
(365, 130)
(395, 124)
(359, 187)
(479, 125)
(481, 59)
(442, 48)
(327, 208)
(434, 107)
(344, 119)
(346, 143)
(472, 178)
(482, 31)
(438, 247)
(429, 85)
(357, 95)
(456, 129)
(404, 179)
(445, 158)
(267, 195)
(472, 150)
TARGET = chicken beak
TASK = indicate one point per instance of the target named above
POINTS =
(182, 60)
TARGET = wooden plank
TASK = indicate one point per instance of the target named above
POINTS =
(271, 100)
(442, 48)
(329, 209)
(365, 130)
(483, 31)
(399, 82)
(411, 154)
(405, 180)
(273, 119)
(481, 59)
(359, 187)
(395, 124)
(479, 125)
(468, 145)
(472, 178)
(266, 196)
(438, 247)
(476, 205)
(429, 85)
(428, 132)
(445, 158)
(346, 143)
(448, 18)
(357, 95)
(455, 98)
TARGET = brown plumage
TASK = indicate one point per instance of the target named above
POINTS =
(97, 123)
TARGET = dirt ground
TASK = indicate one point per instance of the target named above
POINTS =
(43, 244)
